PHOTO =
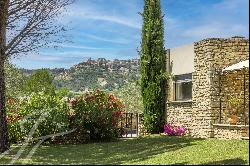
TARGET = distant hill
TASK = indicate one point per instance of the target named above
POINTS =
(100, 73)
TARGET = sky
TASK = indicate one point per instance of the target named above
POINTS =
(111, 29)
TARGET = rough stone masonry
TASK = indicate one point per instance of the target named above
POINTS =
(200, 114)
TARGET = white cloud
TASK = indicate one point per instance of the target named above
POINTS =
(230, 4)
(203, 30)
(58, 56)
(111, 40)
(115, 19)
(225, 19)
(81, 47)
(92, 12)
(214, 30)
(41, 58)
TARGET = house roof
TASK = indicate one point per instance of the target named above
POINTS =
(237, 66)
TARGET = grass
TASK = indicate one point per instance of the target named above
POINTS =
(149, 150)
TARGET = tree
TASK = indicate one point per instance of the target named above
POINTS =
(25, 26)
(15, 80)
(130, 95)
(153, 66)
(40, 81)
(4, 144)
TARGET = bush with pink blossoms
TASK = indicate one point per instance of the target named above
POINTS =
(99, 113)
(174, 131)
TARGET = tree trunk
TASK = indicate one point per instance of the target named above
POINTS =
(4, 143)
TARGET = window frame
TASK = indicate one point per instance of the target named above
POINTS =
(179, 81)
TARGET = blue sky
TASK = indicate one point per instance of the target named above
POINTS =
(112, 28)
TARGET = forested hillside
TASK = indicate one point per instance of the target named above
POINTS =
(91, 74)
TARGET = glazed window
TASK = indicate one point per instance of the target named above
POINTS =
(183, 88)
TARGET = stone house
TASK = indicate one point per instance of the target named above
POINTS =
(198, 91)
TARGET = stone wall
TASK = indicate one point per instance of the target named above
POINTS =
(180, 114)
(211, 55)
(231, 131)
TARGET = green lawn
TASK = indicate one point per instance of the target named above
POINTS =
(153, 149)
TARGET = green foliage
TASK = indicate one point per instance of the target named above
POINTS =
(98, 113)
(15, 81)
(64, 92)
(235, 104)
(40, 81)
(86, 77)
(50, 113)
(130, 95)
(13, 118)
(153, 66)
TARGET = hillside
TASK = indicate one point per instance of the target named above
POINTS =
(100, 73)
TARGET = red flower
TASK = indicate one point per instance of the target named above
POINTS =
(18, 117)
(11, 101)
(10, 119)
(98, 91)
(73, 102)
(111, 97)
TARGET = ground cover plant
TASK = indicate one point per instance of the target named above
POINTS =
(153, 149)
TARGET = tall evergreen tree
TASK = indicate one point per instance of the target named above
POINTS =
(153, 66)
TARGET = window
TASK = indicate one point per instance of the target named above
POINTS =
(183, 88)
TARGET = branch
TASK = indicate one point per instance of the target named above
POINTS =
(31, 23)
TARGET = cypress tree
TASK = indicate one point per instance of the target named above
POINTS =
(153, 66)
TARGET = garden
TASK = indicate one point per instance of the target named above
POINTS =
(149, 150)
(52, 126)
(91, 117)
(43, 122)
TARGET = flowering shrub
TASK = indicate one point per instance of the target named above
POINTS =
(174, 131)
(49, 112)
(98, 113)
(13, 117)
(93, 116)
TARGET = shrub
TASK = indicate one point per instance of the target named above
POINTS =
(130, 95)
(50, 113)
(174, 131)
(93, 116)
(40, 81)
(13, 118)
(97, 113)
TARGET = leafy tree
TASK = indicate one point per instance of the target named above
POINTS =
(130, 95)
(15, 81)
(153, 66)
(40, 81)
(64, 92)
(25, 26)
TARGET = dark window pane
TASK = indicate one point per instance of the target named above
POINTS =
(183, 87)
(187, 90)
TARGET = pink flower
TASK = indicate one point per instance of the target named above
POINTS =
(172, 131)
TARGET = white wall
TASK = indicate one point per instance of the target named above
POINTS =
(182, 59)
